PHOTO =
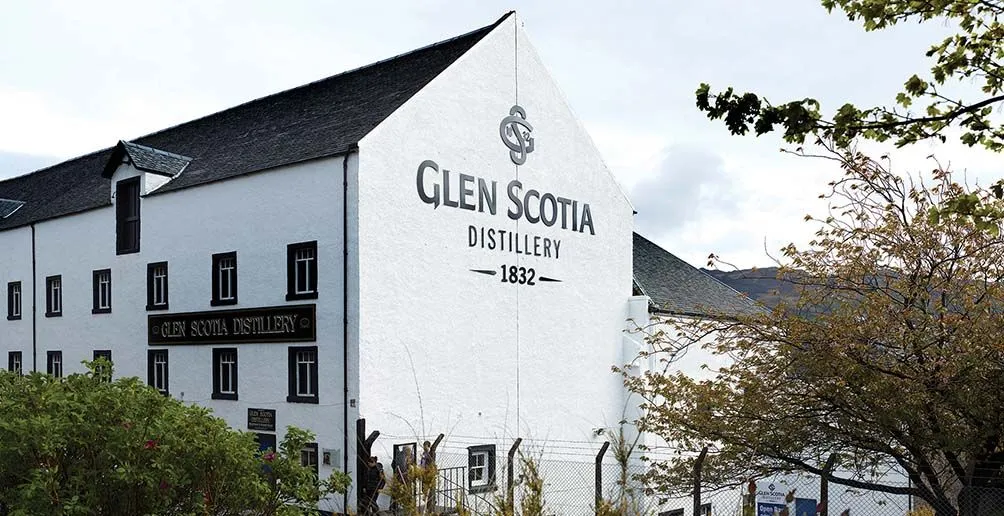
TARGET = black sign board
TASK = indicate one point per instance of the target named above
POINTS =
(261, 419)
(292, 323)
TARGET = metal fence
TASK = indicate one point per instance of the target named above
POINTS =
(588, 479)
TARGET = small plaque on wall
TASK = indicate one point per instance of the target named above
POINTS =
(261, 419)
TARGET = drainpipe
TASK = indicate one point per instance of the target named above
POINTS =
(34, 302)
(345, 321)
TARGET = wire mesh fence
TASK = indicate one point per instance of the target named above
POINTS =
(508, 479)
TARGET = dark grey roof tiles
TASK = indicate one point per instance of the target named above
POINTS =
(320, 119)
(678, 288)
(147, 159)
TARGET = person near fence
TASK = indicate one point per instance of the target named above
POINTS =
(429, 476)
(373, 482)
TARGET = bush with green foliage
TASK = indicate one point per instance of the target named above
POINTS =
(80, 446)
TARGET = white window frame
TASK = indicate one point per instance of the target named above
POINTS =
(303, 258)
(480, 471)
(105, 290)
(15, 299)
(55, 296)
(228, 361)
(304, 360)
(160, 285)
(160, 371)
(55, 364)
(17, 364)
(225, 276)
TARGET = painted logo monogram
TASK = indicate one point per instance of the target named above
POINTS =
(515, 132)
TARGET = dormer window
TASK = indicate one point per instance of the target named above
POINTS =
(127, 216)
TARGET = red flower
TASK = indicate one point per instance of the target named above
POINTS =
(269, 457)
(149, 445)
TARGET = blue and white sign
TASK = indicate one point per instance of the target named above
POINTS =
(769, 498)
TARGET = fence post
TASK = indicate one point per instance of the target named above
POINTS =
(698, 464)
(598, 498)
(435, 444)
(509, 475)
(824, 486)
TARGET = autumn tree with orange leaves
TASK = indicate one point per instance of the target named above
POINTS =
(891, 359)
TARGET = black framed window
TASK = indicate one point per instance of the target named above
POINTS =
(156, 286)
(54, 296)
(127, 216)
(13, 300)
(102, 291)
(54, 363)
(224, 279)
(308, 457)
(103, 372)
(225, 373)
(265, 441)
(302, 374)
(481, 468)
(157, 370)
(14, 363)
(301, 271)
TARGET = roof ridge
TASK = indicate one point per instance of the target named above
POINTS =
(486, 29)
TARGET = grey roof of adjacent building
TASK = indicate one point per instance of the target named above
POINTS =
(321, 119)
(677, 288)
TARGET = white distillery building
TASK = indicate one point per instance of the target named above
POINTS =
(431, 242)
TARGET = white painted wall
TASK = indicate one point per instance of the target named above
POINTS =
(15, 265)
(445, 349)
(255, 215)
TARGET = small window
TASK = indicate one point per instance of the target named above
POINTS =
(224, 279)
(302, 375)
(156, 286)
(301, 271)
(13, 300)
(225, 374)
(54, 363)
(481, 468)
(265, 441)
(54, 296)
(308, 457)
(157, 369)
(14, 362)
(127, 216)
(102, 289)
(103, 372)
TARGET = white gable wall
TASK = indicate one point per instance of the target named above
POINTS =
(445, 349)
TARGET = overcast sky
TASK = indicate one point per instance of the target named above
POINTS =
(79, 76)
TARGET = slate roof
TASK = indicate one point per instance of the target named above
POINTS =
(324, 118)
(147, 159)
(678, 288)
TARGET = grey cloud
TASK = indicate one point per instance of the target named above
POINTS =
(688, 182)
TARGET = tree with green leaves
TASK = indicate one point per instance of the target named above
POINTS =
(890, 359)
(921, 110)
(85, 445)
